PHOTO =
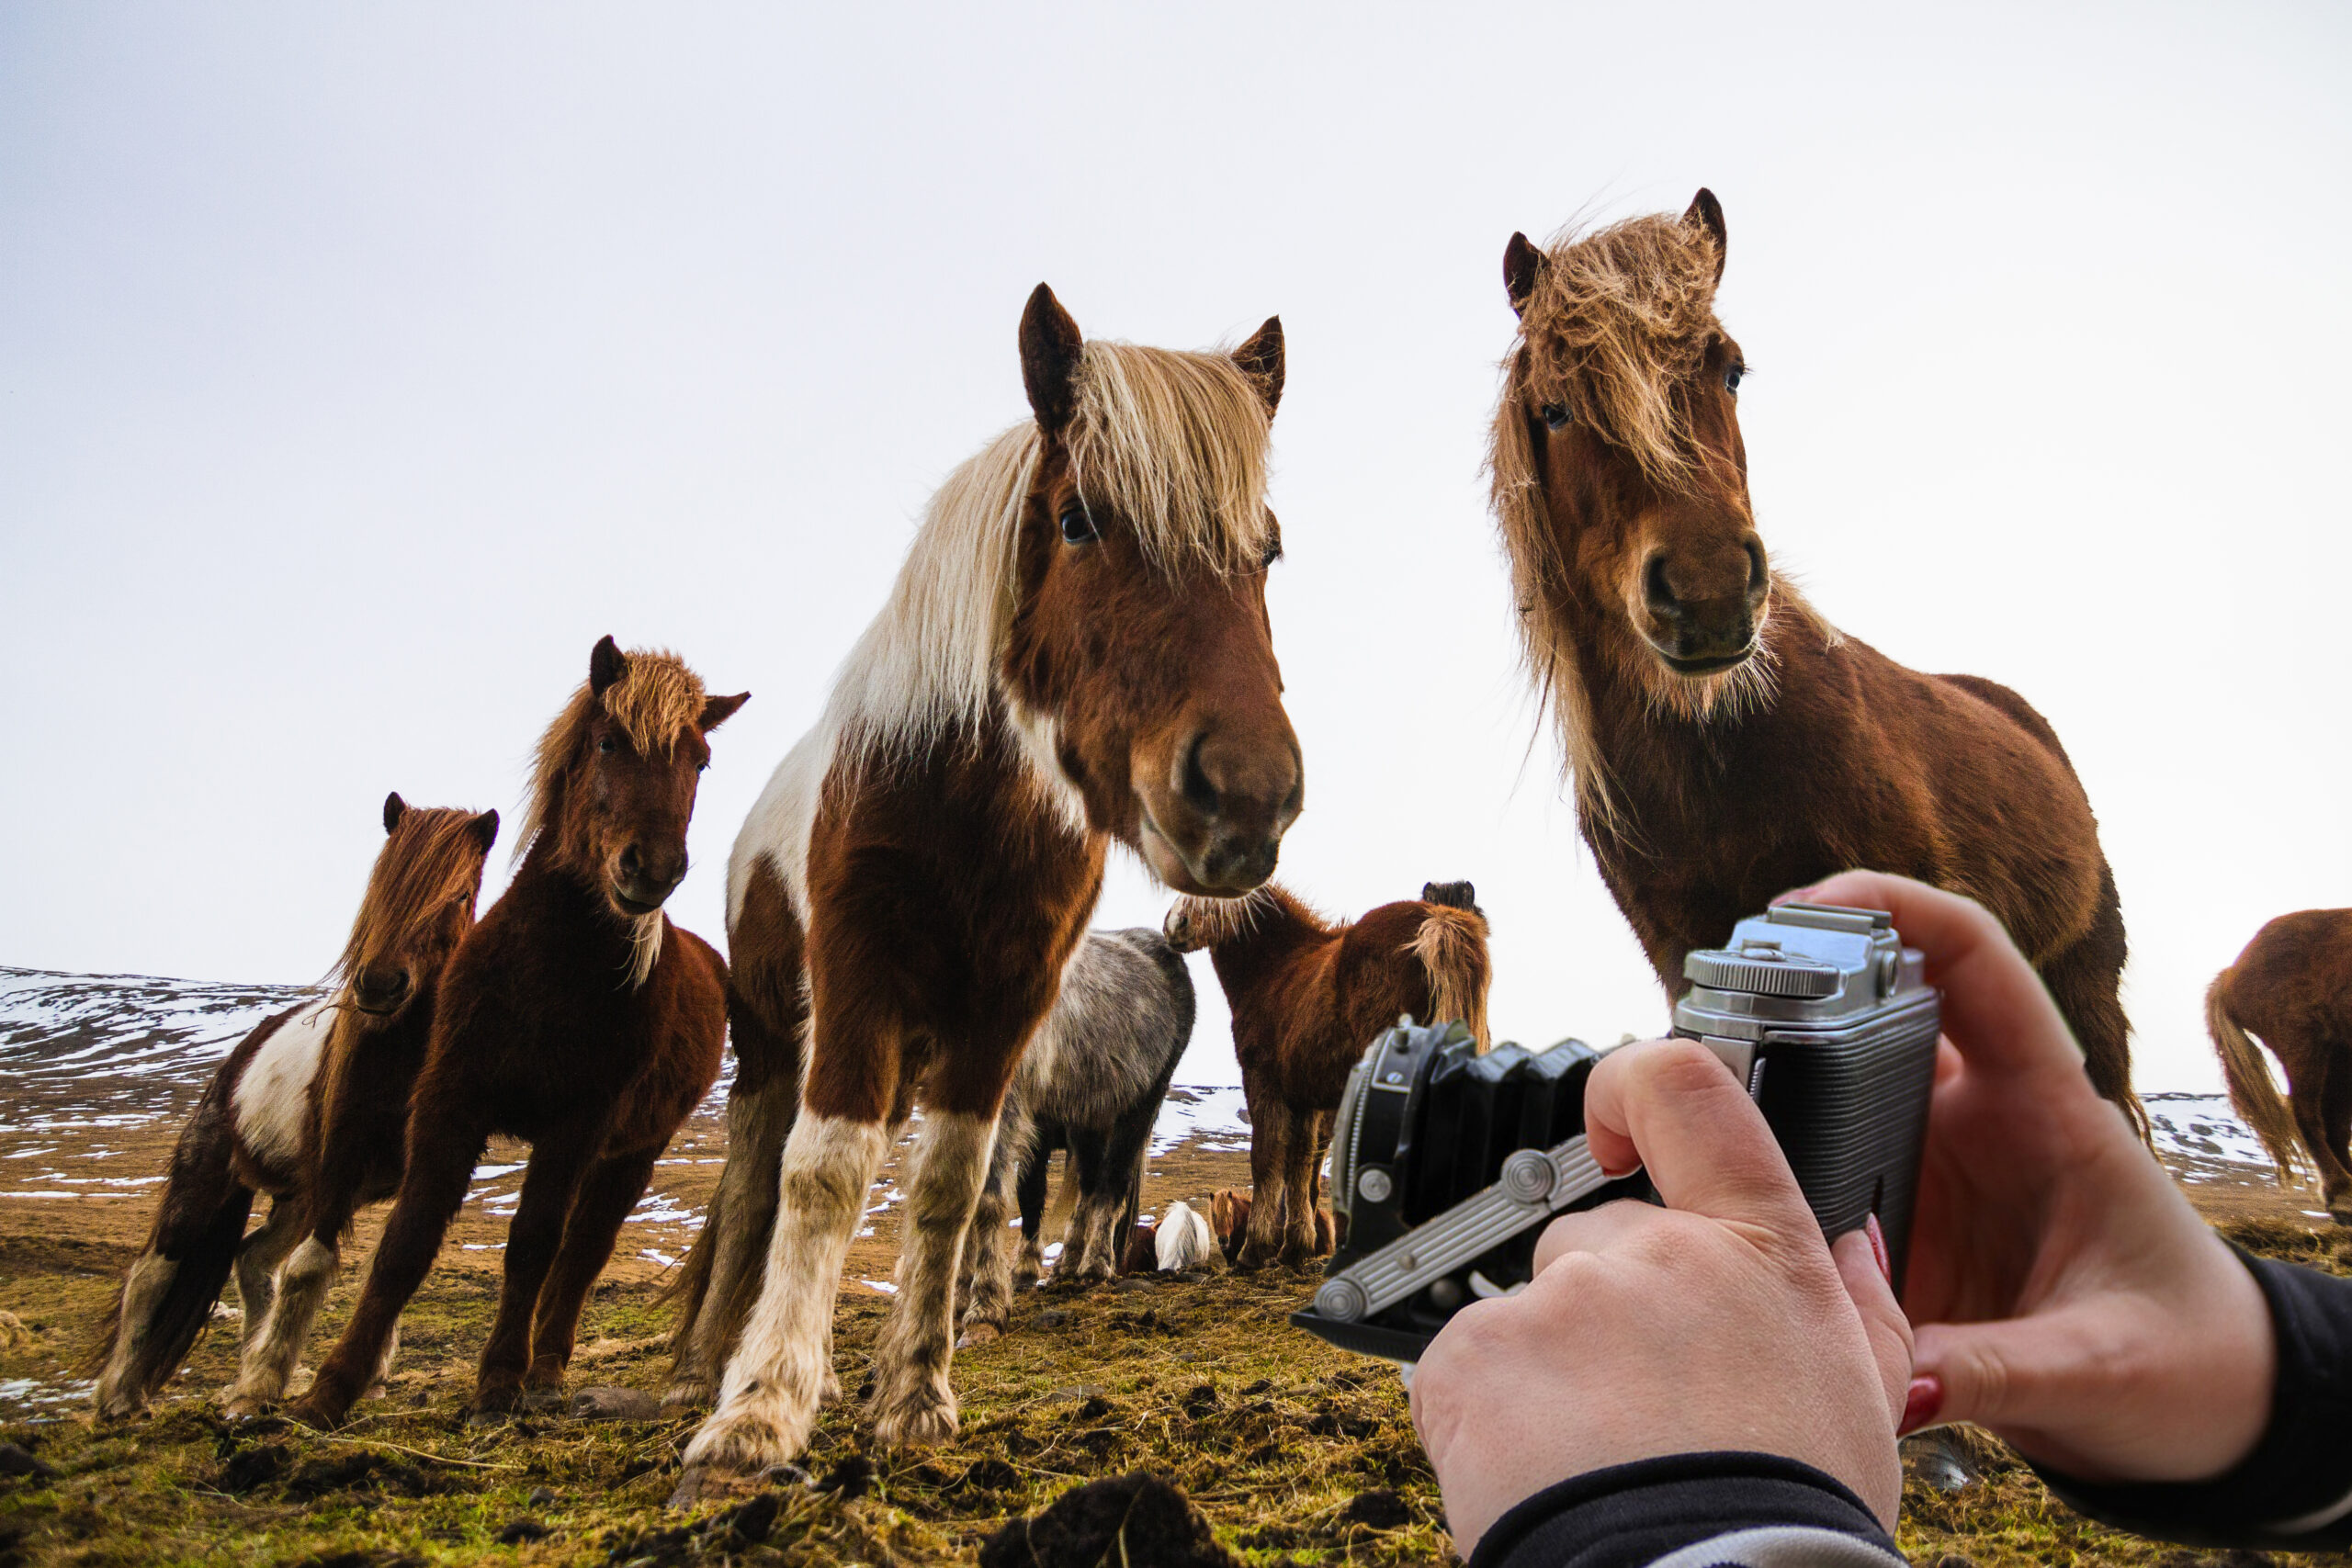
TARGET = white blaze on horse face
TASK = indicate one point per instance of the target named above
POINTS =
(274, 1093)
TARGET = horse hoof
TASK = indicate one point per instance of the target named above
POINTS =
(921, 1421)
(687, 1393)
(537, 1400)
(979, 1333)
(616, 1405)
(712, 1483)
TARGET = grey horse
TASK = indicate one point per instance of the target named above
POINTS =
(1092, 1081)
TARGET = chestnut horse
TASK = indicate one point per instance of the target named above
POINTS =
(2292, 985)
(1727, 743)
(576, 1016)
(1307, 996)
(309, 1109)
(1076, 652)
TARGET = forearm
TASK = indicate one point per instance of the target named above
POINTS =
(2294, 1491)
(1699, 1510)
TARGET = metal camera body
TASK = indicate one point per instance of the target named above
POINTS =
(1446, 1163)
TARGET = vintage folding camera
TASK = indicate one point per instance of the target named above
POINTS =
(1446, 1163)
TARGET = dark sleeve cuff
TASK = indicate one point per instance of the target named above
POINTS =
(1629, 1515)
(2294, 1491)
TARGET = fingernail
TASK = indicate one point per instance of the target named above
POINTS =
(1878, 1251)
(1922, 1405)
(1794, 896)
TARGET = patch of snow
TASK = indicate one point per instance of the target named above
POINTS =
(1216, 1115)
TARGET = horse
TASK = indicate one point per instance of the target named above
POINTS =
(308, 1109)
(2292, 985)
(1725, 741)
(575, 1016)
(1076, 652)
(1307, 996)
(1092, 1081)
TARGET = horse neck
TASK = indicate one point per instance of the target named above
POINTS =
(563, 909)
(1280, 935)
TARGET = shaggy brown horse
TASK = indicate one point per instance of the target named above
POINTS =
(576, 1016)
(2293, 986)
(309, 1109)
(1727, 743)
(1308, 997)
(1076, 651)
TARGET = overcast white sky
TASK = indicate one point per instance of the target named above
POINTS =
(359, 368)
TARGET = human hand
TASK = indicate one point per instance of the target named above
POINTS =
(1719, 1322)
(2065, 1292)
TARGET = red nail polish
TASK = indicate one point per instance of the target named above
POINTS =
(1922, 1405)
(1878, 1251)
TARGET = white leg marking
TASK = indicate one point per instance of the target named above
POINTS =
(269, 1363)
(122, 1386)
(913, 1402)
(768, 1398)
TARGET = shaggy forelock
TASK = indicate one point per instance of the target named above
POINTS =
(1617, 320)
(431, 860)
(654, 703)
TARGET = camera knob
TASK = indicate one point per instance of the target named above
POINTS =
(1527, 1176)
(1762, 972)
(1342, 1301)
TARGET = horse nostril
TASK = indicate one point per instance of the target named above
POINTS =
(1758, 574)
(1658, 592)
(1198, 791)
(632, 864)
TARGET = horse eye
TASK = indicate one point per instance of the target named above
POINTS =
(1554, 416)
(1077, 526)
(1731, 377)
(606, 746)
(1274, 553)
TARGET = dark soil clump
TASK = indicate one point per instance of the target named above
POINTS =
(1139, 1519)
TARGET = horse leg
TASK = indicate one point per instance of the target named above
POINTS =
(442, 1153)
(988, 1251)
(1298, 1191)
(607, 1197)
(912, 1402)
(2314, 1083)
(1035, 1170)
(1270, 1135)
(2086, 981)
(767, 1400)
(267, 1363)
(258, 1261)
(2336, 1113)
(560, 1162)
(1090, 1250)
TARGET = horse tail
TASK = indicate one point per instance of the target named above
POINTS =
(167, 1299)
(2251, 1094)
(1451, 947)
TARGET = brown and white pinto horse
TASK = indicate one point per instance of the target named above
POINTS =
(576, 1016)
(1727, 743)
(309, 1108)
(2293, 986)
(1076, 650)
(1307, 996)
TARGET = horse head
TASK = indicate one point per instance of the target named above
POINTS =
(618, 771)
(1619, 467)
(1139, 653)
(419, 906)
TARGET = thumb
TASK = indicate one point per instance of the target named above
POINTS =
(1860, 1259)
(1998, 1374)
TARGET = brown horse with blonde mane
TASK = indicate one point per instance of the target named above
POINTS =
(1307, 996)
(1076, 652)
(2292, 987)
(575, 1016)
(1725, 743)
(309, 1108)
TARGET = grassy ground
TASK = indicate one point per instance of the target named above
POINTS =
(1292, 1452)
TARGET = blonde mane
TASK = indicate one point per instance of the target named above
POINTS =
(1616, 321)
(1171, 442)
(431, 859)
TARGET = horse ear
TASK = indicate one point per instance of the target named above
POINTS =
(485, 829)
(1050, 345)
(1522, 265)
(1451, 894)
(607, 665)
(1261, 360)
(394, 809)
(1706, 212)
(717, 711)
